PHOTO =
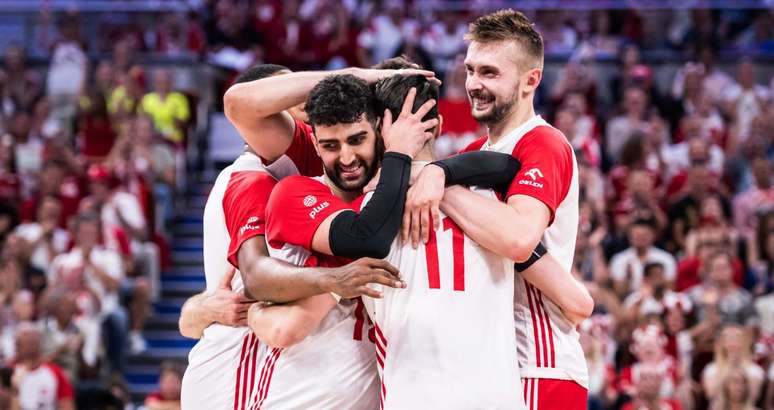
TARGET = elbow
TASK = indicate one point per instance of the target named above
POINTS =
(581, 308)
(520, 247)
(186, 331)
(230, 103)
(284, 336)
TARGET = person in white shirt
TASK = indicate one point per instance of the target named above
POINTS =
(45, 239)
(627, 266)
(92, 269)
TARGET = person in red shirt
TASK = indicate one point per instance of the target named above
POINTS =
(167, 397)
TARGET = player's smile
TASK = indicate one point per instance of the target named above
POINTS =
(351, 172)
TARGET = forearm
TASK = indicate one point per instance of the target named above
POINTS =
(491, 223)
(108, 281)
(194, 318)
(561, 287)
(286, 325)
(273, 280)
(487, 169)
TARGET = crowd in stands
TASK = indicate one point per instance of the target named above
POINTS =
(676, 241)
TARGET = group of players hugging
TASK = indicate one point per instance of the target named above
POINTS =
(371, 275)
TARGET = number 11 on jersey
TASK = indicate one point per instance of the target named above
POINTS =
(458, 256)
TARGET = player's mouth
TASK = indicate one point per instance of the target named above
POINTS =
(353, 171)
(482, 102)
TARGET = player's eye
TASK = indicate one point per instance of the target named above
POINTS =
(330, 146)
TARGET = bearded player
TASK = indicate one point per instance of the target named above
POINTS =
(504, 65)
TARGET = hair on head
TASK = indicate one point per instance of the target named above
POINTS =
(340, 99)
(258, 72)
(390, 92)
(508, 24)
(396, 63)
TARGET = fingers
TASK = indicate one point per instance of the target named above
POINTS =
(225, 282)
(436, 214)
(425, 108)
(415, 227)
(408, 103)
(424, 224)
(431, 123)
(366, 291)
(406, 226)
(382, 277)
(386, 121)
(387, 266)
(429, 75)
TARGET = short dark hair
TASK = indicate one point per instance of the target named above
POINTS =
(645, 221)
(396, 63)
(647, 270)
(508, 25)
(340, 99)
(258, 72)
(390, 92)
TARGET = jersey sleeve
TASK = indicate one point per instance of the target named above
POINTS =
(64, 389)
(302, 152)
(546, 168)
(297, 207)
(244, 208)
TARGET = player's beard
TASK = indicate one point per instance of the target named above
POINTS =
(350, 185)
(496, 113)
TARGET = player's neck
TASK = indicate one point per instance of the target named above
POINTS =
(426, 153)
(522, 113)
(347, 196)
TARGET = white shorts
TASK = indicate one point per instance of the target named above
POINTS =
(221, 369)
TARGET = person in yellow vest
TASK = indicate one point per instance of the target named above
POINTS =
(169, 109)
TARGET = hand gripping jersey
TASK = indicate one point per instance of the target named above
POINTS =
(221, 366)
(548, 344)
(446, 341)
(333, 368)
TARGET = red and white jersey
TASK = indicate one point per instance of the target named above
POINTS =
(221, 370)
(446, 340)
(334, 367)
(43, 387)
(548, 344)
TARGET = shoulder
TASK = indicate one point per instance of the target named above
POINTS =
(299, 182)
(242, 181)
(475, 145)
(545, 137)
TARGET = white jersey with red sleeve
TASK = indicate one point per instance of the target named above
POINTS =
(334, 367)
(221, 366)
(446, 341)
(548, 344)
(43, 387)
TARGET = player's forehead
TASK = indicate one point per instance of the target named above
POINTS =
(503, 54)
(344, 131)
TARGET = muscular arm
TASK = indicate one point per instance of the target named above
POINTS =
(224, 306)
(289, 324)
(561, 287)
(511, 230)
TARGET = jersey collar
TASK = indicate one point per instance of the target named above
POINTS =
(514, 136)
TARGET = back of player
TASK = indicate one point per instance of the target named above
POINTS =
(333, 368)
(446, 340)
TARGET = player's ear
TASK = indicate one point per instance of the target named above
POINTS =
(439, 127)
(532, 79)
(316, 145)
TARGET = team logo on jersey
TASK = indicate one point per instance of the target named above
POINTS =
(317, 209)
(534, 173)
(310, 200)
(250, 225)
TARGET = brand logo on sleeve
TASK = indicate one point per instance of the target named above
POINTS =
(316, 210)
(309, 200)
(533, 173)
(250, 225)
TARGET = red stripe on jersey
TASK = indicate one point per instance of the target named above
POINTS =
(380, 348)
(550, 329)
(275, 353)
(359, 320)
(534, 323)
(539, 310)
(431, 256)
(254, 368)
(267, 362)
(381, 335)
(239, 371)
(246, 371)
(458, 250)
(379, 360)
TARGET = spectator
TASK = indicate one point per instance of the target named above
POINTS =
(68, 69)
(736, 391)
(713, 223)
(732, 351)
(10, 186)
(627, 267)
(55, 180)
(44, 238)
(648, 344)
(695, 152)
(93, 270)
(28, 151)
(620, 128)
(155, 160)
(745, 100)
(96, 135)
(601, 374)
(653, 295)
(758, 198)
(169, 109)
(646, 391)
(40, 384)
(27, 276)
(167, 397)
(124, 101)
(443, 40)
(718, 292)
(22, 85)
(605, 43)
(384, 34)
(63, 339)
(21, 310)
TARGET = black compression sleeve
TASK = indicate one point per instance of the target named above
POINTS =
(371, 232)
(487, 169)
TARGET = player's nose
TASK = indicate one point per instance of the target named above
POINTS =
(346, 155)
